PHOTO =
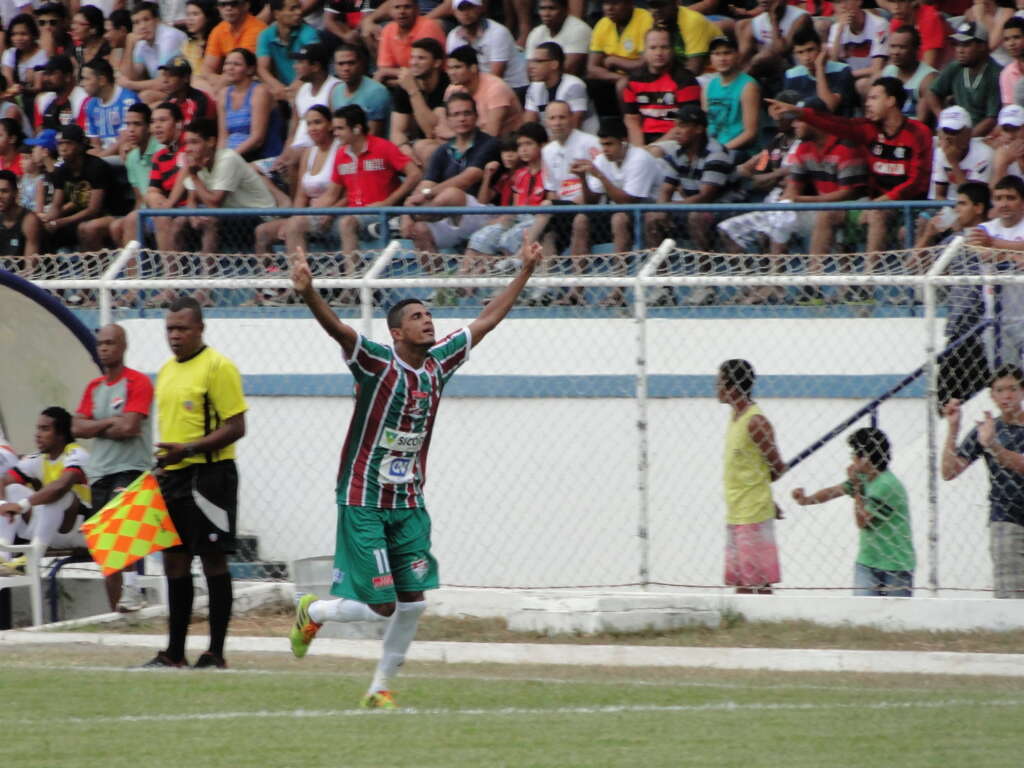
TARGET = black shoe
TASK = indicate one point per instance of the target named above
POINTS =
(208, 660)
(162, 660)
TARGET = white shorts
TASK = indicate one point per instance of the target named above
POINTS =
(455, 231)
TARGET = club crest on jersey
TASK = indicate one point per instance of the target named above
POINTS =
(419, 569)
(188, 405)
(338, 577)
(117, 403)
(380, 582)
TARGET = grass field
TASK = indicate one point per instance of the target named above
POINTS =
(78, 706)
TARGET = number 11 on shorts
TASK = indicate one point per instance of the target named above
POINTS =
(381, 556)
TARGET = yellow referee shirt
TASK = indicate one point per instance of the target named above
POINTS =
(630, 44)
(195, 397)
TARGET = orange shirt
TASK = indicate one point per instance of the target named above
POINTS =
(492, 92)
(395, 47)
(223, 39)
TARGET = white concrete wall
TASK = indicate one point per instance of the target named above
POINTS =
(542, 492)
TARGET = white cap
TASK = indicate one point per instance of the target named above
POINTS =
(954, 119)
(1011, 114)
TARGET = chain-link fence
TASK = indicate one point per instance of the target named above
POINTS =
(583, 444)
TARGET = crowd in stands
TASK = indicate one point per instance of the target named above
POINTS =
(107, 108)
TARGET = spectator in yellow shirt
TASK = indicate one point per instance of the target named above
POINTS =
(615, 52)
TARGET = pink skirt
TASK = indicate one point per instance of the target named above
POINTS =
(751, 557)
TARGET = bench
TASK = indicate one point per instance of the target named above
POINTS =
(33, 579)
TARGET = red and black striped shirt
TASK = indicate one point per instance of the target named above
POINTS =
(657, 97)
(165, 169)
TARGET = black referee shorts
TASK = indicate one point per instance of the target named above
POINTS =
(202, 500)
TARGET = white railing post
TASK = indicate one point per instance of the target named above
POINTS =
(931, 402)
(366, 289)
(125, 255)
(647, 270)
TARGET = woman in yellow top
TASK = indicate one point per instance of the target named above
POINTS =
(751, 463)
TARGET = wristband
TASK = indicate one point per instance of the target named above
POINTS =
(25, 505)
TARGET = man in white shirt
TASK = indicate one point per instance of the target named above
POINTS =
(622, 174)
(1006, 233)
(549, 81)
(860, 39)
(958, 158)
(155, 45)
(494, 45)
(570, 32)
(555, 232)
(312, 67)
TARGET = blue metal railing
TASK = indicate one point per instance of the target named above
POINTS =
(636, 211)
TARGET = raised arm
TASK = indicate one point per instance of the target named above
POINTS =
(952, 463)
(761, 432)
(500, 305)
(344, 334)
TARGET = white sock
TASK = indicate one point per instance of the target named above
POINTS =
(397, 639)
(130, 578)
(342, 610)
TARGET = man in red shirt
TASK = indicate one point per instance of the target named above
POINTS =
(175, 82)
(825, 169)
(900, 151)
(654, 92)
(366, 174)
(928, 22)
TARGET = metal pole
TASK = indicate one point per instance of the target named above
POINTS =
(645, 272)
(123, 257)
(366, 290)
(931, 404)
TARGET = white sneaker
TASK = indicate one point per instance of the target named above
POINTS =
(131, 600)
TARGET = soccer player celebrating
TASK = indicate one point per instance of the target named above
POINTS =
(383, 563)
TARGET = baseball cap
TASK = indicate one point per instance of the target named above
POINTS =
(968, 32)
(58, 63)
(46, 138)
(788, 96)
(1011, 114)
(312, 52)
(691, 113)
(72, 132)
(721, 41)
(814, 103)
(954, 119)
(177, 66)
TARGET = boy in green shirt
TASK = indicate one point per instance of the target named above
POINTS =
(885, 558)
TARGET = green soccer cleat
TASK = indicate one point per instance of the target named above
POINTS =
(379, 700)
(305, 628)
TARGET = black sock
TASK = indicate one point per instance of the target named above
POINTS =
(219, 588)
(179, 614)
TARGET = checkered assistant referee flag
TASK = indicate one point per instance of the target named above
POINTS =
(132, 525)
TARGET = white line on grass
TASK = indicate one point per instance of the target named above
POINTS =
(614, 709)
(470, 678)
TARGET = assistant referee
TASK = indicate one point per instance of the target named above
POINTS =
(202, 415)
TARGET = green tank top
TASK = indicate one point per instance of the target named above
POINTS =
(747, 478)
(725, 109)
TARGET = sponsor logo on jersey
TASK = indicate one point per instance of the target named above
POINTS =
(380, 582)
(403, 442)
(338, 577)
(419, 569)
(399, 468)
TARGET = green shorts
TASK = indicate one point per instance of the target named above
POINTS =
(380, 552)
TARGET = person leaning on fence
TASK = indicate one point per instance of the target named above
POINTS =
(1005, 233)
(201, 411)
(752, 463)
(885, 554)
(1000, 441)
(964, 371)
(452, 178)
(698, 169)
(623, 174)
(115, 413)
(900, 151)
(46, 497)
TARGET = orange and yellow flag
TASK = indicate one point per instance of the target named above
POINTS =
(132, 525)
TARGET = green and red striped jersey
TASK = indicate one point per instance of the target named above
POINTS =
(384, 459)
